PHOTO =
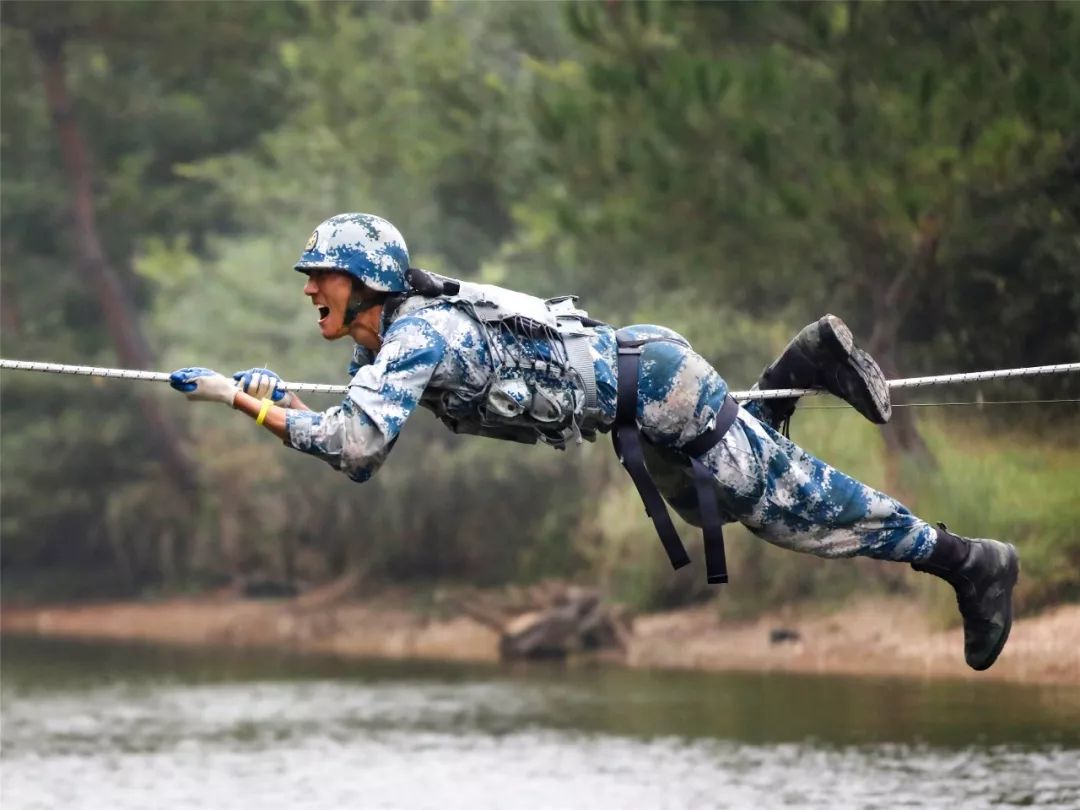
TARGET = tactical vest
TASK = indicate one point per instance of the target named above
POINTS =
(543, 382)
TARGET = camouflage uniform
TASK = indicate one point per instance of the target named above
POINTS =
(436, 355)
(495, 362)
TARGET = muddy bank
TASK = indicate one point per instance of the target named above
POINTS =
(871, 637)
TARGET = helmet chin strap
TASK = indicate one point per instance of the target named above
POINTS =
(357, 303)
(352, 309)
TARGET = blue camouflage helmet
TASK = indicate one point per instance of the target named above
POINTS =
(365, 246)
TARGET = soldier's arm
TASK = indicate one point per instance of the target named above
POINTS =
(357, 436)
(273, 419)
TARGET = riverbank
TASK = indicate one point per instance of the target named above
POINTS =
(884, 637)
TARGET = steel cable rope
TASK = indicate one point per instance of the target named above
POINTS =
(976, 402)
(742, 396)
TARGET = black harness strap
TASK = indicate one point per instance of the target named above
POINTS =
(627, 440)
(725, 418)
(712, 527)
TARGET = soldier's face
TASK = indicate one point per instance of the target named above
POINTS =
(329, 292)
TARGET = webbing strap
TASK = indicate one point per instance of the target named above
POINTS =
(712, 526)
(627, 440)
(725, 417)
(577, 352)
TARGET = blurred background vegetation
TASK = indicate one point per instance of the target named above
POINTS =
(729, 170)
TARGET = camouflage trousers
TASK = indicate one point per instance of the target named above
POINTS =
(763, 480)
(808, 505)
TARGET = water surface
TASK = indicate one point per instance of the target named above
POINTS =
(104, 726)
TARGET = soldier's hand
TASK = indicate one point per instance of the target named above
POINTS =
(263, 383)
(204, 385)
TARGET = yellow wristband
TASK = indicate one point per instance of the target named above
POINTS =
(263, 411)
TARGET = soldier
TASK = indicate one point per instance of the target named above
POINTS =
(494, 362)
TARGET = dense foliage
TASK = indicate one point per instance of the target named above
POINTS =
(731, 170)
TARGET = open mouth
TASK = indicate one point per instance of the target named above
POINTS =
(324, 313)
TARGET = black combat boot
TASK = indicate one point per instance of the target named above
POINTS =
(983, 573)
(824, 355)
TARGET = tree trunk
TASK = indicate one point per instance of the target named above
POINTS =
(903, 442)
(901, 434)
(891, 303)
(890, 288)
(120, 316)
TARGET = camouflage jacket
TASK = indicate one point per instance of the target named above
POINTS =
(476, 379)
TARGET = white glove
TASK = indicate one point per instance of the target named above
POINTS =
(204, 385)
(264, 383)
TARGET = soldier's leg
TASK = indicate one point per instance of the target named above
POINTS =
(792, 499)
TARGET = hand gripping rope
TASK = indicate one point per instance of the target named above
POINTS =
(741, 396)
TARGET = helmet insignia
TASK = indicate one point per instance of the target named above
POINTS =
(312, 241)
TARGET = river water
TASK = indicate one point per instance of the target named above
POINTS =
(116, 727)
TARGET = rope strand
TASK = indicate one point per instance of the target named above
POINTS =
(975, 402)
(742, 396)
(921, 382)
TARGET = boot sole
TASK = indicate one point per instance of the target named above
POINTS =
(837, 337)
(1013, 575)
(838, 340)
